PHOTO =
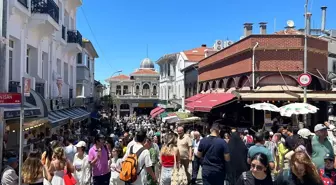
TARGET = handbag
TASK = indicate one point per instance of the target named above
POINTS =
(179, 177)
(69, 179)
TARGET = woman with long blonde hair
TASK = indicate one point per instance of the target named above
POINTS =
(33, 171)
(169, 155)
(302, 171)
(58, 166)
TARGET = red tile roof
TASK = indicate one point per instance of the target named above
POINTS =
(289, 31)
(196, 54)
(121, 77)
(145, 71)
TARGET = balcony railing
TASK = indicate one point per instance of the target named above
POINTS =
(45, 7)
(63, 32)
(13, 86)
(39, 88)
(24, 3)
(74, 36)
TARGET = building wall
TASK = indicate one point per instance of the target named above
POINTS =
(44, 49)
(190, 82)
(167, 79)
(284, 53)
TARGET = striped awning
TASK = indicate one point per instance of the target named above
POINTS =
(76, 114)
(56, 118)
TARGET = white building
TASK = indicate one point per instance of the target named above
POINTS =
(43, 45)
(172, 78)
(137, 93)
(85, 71)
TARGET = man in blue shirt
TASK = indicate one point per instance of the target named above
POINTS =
(215, 153)
(260, 148)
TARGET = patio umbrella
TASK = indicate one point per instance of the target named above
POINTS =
(297, 109)
(264, 106)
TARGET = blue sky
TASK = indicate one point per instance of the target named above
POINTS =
(123, 29)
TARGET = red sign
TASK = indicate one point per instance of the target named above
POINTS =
(10, 98)
(304, 79)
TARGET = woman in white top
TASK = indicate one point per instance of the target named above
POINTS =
(116, 160)
(82, 165)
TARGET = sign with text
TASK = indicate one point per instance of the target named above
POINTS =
(27, 86)
(10, 98)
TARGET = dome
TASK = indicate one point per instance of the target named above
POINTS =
(147, 64)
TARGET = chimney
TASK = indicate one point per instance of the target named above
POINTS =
(309, 22)
(203, 45)
(262, 27)
(248, 27)
(324, 17)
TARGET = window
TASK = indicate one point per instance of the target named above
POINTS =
(145, 90)
(125, 90)
(118, 90)
(10, 60)
(79, 90)
(154, 90)
(59, 67)
(71, 75)
(27, 61)
(79, 58)
(66, 72)
(168, 69)
(85, 59)
(88, 65)
(334, 66)
(137, 90)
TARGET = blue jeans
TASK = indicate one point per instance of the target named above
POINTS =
(212, 177)
(166, 174)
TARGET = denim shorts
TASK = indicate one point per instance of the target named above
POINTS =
(166, 174)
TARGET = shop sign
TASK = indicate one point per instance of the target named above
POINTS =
(10, 98)
(13, 114)
(27, 86)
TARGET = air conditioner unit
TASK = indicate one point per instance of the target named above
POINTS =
(219, 45)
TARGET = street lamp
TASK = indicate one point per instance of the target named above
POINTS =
(111, 98)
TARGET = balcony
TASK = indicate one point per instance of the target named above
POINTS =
(75, 42)
(45, 13)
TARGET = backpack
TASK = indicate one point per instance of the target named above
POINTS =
(129, 167)
(249, 139)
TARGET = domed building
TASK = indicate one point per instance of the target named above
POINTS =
(136, 93)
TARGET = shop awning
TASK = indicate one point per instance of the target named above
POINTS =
(155, 110)
(76, 114)
(29, 123)
(269, 96)
(157, 113)
(194, 98)
(210, 101)
(14, 112)
(56, 118)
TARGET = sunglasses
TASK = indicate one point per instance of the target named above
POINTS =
(257, 167)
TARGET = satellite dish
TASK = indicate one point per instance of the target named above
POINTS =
(290, 23)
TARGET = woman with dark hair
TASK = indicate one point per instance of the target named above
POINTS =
(259, 174)
(238, 153)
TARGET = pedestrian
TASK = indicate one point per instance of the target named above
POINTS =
(184, 145)
(196, 161)
(215, 154)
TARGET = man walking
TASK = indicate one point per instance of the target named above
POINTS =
(196, 160)
(215, 153)
(184, 145)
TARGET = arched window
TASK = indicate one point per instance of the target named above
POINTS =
(154, 90)
(221, 84)
(137, 90)
(213, 86)
(145, 90)
(207, 86)
(118, 90)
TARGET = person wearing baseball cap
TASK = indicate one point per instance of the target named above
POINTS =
(9, 175)
(328, 173)
(305, 133)
(81, 164)
(321, 145)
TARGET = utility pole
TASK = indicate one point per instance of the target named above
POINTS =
(3, 43)
(305, 58)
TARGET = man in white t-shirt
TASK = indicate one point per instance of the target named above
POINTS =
(70, 150)
(9, 176)
(144, 161)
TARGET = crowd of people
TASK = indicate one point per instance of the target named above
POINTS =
(144, 151)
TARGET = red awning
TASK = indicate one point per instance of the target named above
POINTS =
(194, 98)
(210, 101)
(155, 110)
(157, 113)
